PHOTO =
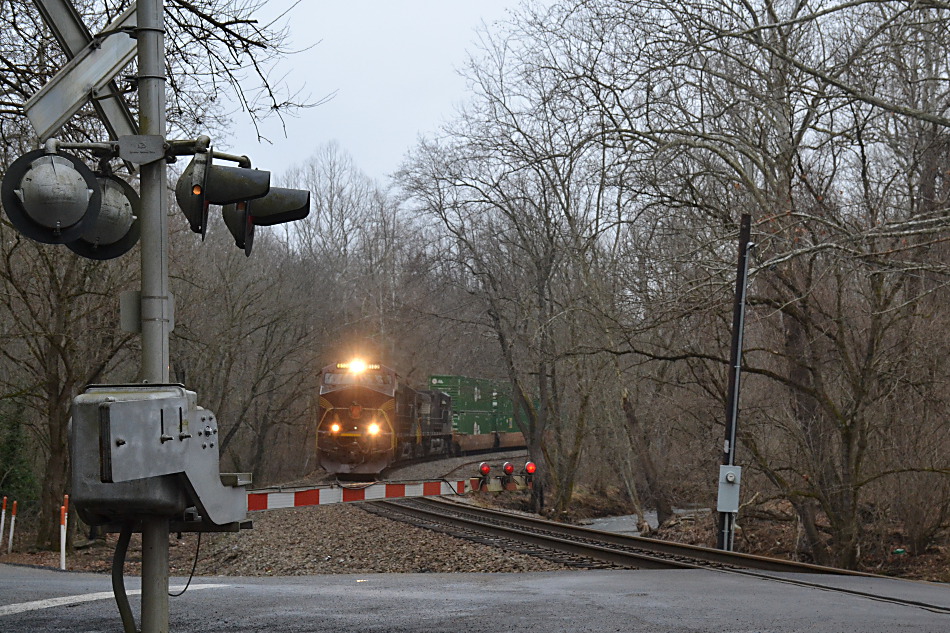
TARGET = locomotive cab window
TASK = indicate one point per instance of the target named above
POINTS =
(356, 379)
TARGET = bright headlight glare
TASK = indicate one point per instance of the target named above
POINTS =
(373, 429)
(334, 428)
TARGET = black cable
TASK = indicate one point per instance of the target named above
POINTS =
(194, 566)
(118, 582)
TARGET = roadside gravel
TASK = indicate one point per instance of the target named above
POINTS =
(346, 539)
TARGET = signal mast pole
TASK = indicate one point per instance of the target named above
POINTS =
(155, 303)
(729, 483)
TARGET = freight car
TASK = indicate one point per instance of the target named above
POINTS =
(370, 418)
(483, 417)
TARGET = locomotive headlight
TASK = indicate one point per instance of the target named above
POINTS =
(334, 428)
(373, 429)
(357, 366)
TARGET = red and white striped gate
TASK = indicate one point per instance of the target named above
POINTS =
(265, 499)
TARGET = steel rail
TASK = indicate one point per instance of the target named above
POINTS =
(544, 534)
(665, 548)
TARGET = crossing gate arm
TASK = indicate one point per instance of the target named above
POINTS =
(267, 499)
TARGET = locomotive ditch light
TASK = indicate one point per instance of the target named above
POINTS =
(50, 198)
(116, 229)
(373, 429)
(335, 428)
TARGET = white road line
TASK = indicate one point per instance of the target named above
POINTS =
(10, 609)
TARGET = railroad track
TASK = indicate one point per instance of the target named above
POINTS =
(592, 549)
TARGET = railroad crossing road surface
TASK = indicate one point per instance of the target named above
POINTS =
(34, 600)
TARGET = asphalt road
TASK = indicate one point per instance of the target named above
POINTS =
(40, 600)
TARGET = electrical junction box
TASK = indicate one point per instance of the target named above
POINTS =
(729, 479)
(150, 450)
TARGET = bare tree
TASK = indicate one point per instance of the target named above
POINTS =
(698, 113)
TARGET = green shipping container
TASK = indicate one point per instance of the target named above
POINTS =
(479, 406)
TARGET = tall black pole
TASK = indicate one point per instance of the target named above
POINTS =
(726, 519)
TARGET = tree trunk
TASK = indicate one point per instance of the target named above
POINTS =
(54, 480)
(639, 441)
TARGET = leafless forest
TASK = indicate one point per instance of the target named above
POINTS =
(574, 232)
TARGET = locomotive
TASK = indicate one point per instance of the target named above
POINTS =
(370, 418)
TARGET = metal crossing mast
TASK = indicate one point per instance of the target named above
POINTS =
(145, 456)
(155, 302)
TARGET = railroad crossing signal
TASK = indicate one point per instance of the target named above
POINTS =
(245, 195)
(507, 480)
(280, 205)
(128, 462)
(116, 230)
(93, 63)
(203, 184)
(52, 197)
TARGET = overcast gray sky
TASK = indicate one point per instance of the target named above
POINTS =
(393, 66)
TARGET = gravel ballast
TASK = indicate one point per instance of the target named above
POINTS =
(333, 539)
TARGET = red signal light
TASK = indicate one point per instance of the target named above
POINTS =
(484, 468)
(509, 468)
(530, 468)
